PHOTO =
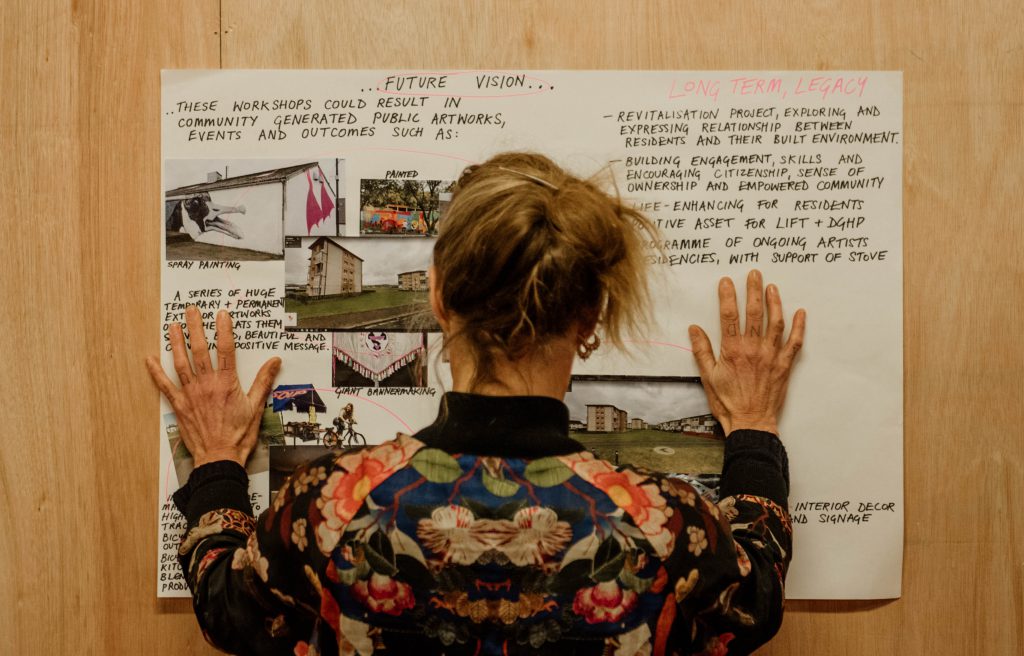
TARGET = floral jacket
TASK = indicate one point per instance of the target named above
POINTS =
(490, 532)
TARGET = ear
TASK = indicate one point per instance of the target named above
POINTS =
(436, 306)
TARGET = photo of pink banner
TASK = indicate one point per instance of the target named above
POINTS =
(377, 355)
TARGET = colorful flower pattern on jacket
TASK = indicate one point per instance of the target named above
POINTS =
(400, 546)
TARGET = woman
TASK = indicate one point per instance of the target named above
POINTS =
(491, 531)
(346, 419)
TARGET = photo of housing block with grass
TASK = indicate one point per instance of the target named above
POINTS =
(660, 423)
(355, 283)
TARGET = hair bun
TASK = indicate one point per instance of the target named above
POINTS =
(528, 252)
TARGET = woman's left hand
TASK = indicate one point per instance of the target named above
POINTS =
(216, 419)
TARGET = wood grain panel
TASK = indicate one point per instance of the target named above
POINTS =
(79, 188)
(37, 131)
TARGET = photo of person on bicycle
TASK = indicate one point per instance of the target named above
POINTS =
(344, 433)
(345, 419)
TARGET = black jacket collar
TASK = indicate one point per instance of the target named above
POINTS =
(502, 426)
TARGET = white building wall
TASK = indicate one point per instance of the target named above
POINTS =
(260, 225)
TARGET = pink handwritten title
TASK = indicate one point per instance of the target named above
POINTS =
(822, 85)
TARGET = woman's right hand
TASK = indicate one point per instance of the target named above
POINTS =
(747, 383)
(216, 418)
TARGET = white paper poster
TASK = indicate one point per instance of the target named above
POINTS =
(306, 203)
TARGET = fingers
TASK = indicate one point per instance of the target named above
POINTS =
(755, 304)
(702, 351)
(264, 380)
(225, 342)
(796, 338)
(776, 324)
(705, 357)
(160, 379)
(197, 339)
(181, 364)
(728, 310)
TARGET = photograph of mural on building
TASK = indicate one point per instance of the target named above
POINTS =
(659, 423)
(402, 207)
(334, 283)
(316, 202)
(241, 209)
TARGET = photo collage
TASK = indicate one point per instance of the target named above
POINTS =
(364, 288)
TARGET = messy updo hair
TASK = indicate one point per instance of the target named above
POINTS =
(526, 250)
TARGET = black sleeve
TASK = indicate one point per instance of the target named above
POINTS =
(756, 464)
(729, 566)
(215, 485)
(242, 608)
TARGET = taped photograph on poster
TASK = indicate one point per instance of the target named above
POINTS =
(304, 418)
(334, 283)
(316, 201)
(240, 209)
(405, 207)
(659, 423)
(343, 417)
(379, 359)
(316, 421)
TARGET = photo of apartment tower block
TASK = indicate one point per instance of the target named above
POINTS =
(413, 281)
(357, 283)
(333, 269)
(663, 424)
(606, 419)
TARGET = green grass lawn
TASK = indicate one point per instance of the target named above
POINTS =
(380, 297)
(692, 455)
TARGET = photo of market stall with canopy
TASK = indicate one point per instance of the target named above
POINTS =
(302, 399)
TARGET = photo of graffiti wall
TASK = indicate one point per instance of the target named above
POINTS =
(402, 207)
(657, 423)
(216, 210)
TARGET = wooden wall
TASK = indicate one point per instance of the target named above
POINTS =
(79, 258)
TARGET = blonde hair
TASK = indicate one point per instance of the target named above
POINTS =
(527, 250)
